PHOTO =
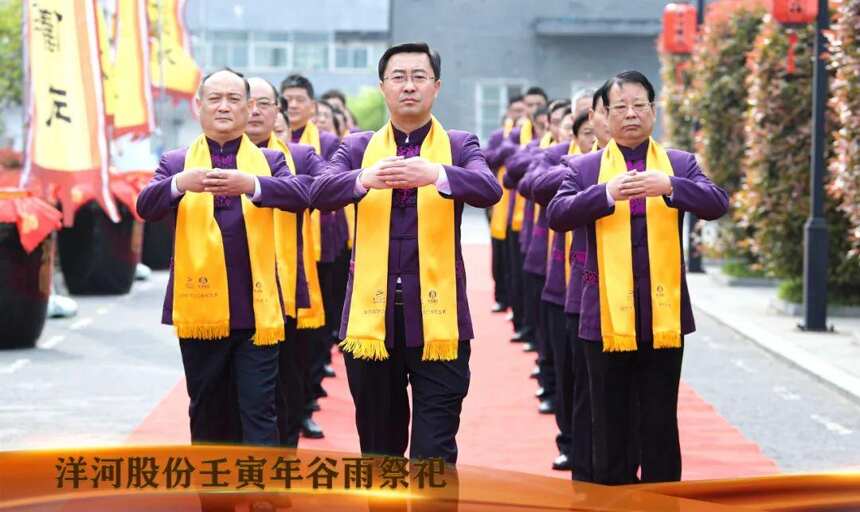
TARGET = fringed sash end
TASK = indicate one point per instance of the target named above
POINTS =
(268, 335)
(365, 348)
(203, 331)
(440, 350)
(667, 340)
(619, 343)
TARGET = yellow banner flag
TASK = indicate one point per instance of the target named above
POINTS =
(172, 66)
(66, 143)
(133, 112)
(106, 56)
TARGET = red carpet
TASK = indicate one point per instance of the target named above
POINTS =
(500, 427)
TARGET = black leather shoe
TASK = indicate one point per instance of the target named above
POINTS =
(328, 371)
(541, 393)
(535, 373)
(561, 463)
(320, 392)
(313, 406)
(510, 316)
(518, 337)
(546, 406)
(529, 347)
(498, 307)
(311, 430)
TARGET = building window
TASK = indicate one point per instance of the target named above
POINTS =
(310, 50)
(229, 48)
(355, 56)
(271, 50)
(491, 102)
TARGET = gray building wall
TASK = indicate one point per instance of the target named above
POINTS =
(559, 45)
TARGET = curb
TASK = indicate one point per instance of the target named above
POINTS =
(822, 371)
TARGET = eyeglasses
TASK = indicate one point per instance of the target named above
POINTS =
(402, 78)
(264, 103)
(620, 109)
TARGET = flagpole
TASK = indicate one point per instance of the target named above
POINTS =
(25, 94)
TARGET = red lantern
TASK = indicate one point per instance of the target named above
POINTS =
(679, 28)
(794, 12)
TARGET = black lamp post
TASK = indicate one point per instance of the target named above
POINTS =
(815, 239)
(694, 257)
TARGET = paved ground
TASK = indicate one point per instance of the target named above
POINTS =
(95, 377)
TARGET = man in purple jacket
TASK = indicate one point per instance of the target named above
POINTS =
(496, 155)
(212, 366)
(654, 372)
(409, 80)
(294, 378)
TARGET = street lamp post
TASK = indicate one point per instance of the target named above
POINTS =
(694, 257)
(815, 239)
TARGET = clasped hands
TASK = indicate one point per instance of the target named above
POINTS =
(400, 172)
(221, 182)
(635, 185)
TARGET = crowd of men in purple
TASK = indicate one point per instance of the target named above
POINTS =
(616, 411)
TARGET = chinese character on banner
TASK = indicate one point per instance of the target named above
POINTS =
(133, 109)
(66, 144)
(172, 66)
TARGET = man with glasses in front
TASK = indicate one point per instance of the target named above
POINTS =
(631, 197)
(406, 319)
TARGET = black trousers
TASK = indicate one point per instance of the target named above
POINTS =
(562, 358)
(580, 425)
(500, 278)
(382, 412)
(515, 278)
(535, 322)
(212, 368)
(290, 387)
(614, 377)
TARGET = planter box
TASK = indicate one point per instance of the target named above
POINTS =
(726, 280)
(795, 309)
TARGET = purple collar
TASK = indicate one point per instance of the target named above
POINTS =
(230, 147)
(412, 139)
(637, 153)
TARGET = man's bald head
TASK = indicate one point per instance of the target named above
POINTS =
(222, 100)
(264, 109)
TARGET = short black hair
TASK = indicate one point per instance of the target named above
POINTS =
(433, 55)
(542, 111)
(628, 77)
(580, 120)
(514, 99)
(599, 93)
(558, 104)
(334, 93)
(286, 117)
(536, 90)
(300, 82)
(233, 71)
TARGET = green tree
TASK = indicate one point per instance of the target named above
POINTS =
(369, 108)
(774, 196)
(11, 66)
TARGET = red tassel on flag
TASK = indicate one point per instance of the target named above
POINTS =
(790, 66)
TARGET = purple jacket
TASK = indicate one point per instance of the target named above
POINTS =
(281, 190)
(581, 201)
(333, 228)
(471, 182)
(496, 151)
(556, 290)
(537, 237)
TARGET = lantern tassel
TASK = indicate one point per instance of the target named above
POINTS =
(790, 66)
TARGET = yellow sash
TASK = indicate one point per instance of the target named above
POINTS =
(311, 137)
(312, 317)
(349, 211)
(365, 336)
(572, 149)
(286, 236)
(201, 303)
(499, 218)
(615, 261)
(526, 136)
